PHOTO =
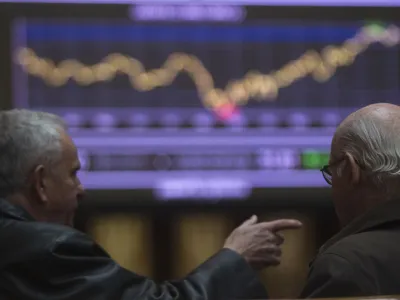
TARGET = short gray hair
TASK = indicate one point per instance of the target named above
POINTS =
(375, 144)
(27, 139)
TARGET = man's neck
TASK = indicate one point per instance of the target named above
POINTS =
(21, 200)
(365, 203)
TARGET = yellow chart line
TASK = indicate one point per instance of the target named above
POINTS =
(254, 85)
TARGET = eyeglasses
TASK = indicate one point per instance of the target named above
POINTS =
(327, 172)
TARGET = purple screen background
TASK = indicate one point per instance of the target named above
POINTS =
(164, 138)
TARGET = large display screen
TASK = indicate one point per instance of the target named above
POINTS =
(205, 108)
(225, 2)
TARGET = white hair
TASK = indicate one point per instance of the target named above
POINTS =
(27, 139)
(375, 145)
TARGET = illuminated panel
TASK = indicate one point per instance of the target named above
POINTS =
(230, 2)
(204, 111)
(321, 66)
(312, 159)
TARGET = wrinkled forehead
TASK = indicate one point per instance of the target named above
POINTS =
(337, 143)
(336, 147)
(69, 149)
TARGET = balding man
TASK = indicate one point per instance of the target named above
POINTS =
(364, 171)
(43, 258)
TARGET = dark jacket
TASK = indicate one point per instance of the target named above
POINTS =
(361, 260)
(42, 261)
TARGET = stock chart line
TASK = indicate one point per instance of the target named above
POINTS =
(254, 85)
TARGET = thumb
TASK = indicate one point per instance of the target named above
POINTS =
(251, 221)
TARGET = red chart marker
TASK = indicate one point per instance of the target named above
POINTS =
(226, 111)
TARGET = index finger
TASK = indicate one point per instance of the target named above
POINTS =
(283, 224)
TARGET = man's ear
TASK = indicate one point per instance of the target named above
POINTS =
(39, 183)
(354, 169)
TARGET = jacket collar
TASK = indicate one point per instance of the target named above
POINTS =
(384, 214)
(11, 211)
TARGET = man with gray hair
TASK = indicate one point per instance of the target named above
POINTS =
(42, 257)
(364, 171)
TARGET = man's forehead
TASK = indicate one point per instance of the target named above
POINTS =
(66, 139)
(335, 147)
(68, 145)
